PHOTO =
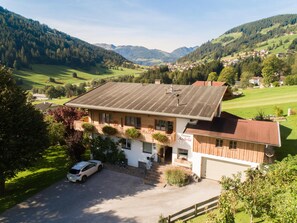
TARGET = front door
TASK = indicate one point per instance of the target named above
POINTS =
(168, 154)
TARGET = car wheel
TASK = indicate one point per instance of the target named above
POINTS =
(99, 168)
(84, 179)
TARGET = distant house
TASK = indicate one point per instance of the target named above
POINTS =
(40, 97)
(45, 106)
(257, 81)
(199, 136)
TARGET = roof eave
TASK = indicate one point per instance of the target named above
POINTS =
(138, 111)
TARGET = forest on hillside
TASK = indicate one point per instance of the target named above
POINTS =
(24, 42)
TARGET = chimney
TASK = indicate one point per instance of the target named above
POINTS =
(157, 81)
(177, 97)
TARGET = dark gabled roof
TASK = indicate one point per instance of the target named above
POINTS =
(155, 99)
(44, 106)
(259, 132)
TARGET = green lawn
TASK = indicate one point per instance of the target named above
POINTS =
(39, 74)
(51, 168)
(254, 100)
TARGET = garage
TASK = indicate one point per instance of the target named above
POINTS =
(215, 169)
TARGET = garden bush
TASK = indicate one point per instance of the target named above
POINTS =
(132, 133)
(176, 176)
(278, 111)
(106, 150)
(108, 130)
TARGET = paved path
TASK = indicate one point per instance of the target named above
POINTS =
(108, 197)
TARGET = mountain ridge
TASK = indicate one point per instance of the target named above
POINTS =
(144, 56)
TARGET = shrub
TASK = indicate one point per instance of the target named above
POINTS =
(88, 127)
(162, 219)
(106, 150)
(261, 116)
(74, 75)
(160, 137)
(108, 130)
(132, 133)
(275, 84)
(51, 79)
(175, 176)
(278, 111)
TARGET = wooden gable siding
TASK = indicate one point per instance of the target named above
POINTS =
(244, 151)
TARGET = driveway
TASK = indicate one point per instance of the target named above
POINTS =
(108, 197)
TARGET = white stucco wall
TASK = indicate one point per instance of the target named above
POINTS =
(135, 154)
(183, 141)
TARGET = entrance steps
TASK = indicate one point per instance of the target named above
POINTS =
(156, 175)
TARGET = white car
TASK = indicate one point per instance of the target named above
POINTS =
(82, 170)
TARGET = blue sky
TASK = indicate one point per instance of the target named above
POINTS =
(160, 24)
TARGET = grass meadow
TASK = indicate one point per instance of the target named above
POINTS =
(39, 75)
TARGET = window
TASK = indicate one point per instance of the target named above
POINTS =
(133, 121)
(182, 154)
(164, 126)
(147, 148)
(219, 142)
(125, 143)
(232, 145)
(105, 118)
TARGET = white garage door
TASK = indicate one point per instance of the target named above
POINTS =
(215, 169)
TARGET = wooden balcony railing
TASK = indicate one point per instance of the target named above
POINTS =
(146, 133)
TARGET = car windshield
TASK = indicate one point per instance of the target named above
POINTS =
(73, 171)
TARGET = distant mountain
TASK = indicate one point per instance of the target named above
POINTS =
(182, 51)
(277, 34)
(24, 42)
(145, 56)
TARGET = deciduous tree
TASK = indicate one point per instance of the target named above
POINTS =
(272, 67)
(213, 76)
(228, 75)
(23, 133)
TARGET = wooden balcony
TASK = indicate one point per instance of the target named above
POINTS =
(146, 133)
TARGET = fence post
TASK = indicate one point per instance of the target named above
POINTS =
(168, 219)
(196, 207)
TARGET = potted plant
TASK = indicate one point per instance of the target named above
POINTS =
(160, 137)
(108, 130)
(88, 127)
(133, 133)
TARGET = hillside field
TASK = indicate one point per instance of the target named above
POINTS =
(39, 75)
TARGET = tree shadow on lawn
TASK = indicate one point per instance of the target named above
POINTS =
(289, 146)
(74, 202)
